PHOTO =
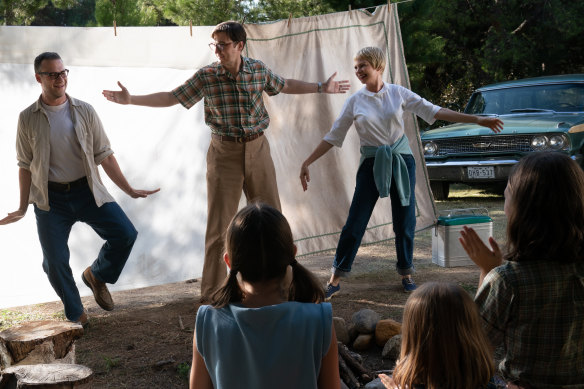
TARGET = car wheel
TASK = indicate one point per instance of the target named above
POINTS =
(440, 189)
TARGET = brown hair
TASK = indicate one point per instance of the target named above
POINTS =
(260, 246)
(443, 344)
(234, 31)
(547, 196)
(373, 55)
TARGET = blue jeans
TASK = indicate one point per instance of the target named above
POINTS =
(364, 199)
(54, 227)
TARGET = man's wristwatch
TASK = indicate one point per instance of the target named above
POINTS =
(319, 87)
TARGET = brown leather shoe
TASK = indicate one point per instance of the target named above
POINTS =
(83, 320)
(102, 296)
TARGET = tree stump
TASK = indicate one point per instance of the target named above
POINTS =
(46, 376)
(37, 342)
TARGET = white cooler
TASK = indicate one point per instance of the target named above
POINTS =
(446, 248)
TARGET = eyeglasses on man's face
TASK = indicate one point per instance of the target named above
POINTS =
(55, 75)
(220, 46)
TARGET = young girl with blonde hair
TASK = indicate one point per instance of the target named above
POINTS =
(443, 344)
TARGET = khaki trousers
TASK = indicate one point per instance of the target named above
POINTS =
(231, 168)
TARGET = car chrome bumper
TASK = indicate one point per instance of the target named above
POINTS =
(456, 171)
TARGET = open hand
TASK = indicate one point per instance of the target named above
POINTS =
(13, 217)
(141, 193)
(332, 86)
(486, 259)
(387, 381)
(120, 97)
(495, 124)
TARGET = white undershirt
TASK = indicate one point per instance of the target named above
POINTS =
(378, 117)
(65, 162)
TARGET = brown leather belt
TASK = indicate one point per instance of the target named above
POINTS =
(67, 186)
(238, 139)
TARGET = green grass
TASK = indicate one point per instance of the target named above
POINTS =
(10, 318)
(183, 371)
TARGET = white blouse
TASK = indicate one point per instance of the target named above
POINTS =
(378, 117)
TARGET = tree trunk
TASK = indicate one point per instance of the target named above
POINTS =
(39, 342)
(47, 376)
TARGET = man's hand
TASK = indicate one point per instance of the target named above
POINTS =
(13, 217)
(120, 97)
(304, 176)
(495, 124)
(332, 86)
(141, 193)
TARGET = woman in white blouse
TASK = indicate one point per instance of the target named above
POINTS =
(387, 164)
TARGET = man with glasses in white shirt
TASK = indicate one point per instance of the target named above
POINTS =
(239, 155)
(60, 142)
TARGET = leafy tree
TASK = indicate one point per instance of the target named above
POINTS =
(269, 10)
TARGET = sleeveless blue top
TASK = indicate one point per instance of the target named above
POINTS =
(276, 346)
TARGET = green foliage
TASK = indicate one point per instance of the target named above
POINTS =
(183, 371)
(20, 12)
(269, 10)
(127, 13)
(204, 12)
(110, 363)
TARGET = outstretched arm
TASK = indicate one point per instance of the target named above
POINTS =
(123, 96)
(24, 181)
(486, 259)
(112, 169)
(330, 86)
(495, 124)
(320, 150)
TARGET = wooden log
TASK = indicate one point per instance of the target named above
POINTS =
(47, 376)
(347, 375)
(41, 341)
(358, 369)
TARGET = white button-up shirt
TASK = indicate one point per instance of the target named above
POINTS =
(378, 117)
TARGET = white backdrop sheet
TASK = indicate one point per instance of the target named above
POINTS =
(166, 147)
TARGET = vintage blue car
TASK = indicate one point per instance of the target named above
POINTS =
(539, 114)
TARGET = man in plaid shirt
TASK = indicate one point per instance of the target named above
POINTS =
(235, 112)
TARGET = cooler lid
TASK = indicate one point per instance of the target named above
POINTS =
(456, 217)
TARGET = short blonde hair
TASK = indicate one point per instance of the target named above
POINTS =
(373, 55)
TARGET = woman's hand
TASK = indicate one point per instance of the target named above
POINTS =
(486, 259)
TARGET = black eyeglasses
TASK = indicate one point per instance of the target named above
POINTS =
(219, 46)
(55, 75)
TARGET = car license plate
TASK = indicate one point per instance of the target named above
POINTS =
(477, 173)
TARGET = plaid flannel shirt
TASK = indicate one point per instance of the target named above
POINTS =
(535, 310)
(233, 105)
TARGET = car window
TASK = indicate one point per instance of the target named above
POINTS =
(555, 97)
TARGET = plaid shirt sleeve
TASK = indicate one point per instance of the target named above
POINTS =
(191, 92)
(495, 299)
(274, 83)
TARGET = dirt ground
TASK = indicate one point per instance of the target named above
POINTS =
(146, 342)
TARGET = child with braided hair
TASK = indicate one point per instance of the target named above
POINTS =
(267, 326)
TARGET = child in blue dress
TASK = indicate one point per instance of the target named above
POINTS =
(267, 326)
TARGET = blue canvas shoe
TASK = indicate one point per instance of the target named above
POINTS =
(331, 290)
(408, 284)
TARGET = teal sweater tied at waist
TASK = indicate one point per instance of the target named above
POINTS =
(388, 162)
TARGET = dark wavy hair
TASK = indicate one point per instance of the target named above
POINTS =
(545, 217)
(260, 246)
